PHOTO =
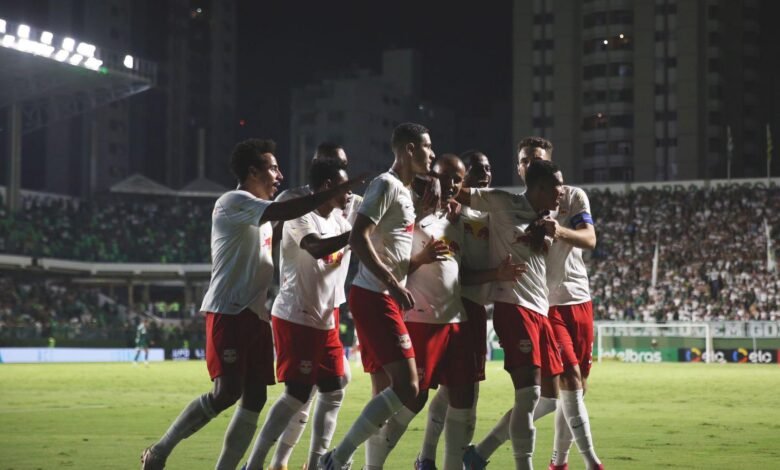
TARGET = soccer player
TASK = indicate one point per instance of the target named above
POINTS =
(520, 312)
(239, 350)
(571, 309)
(474, 298)
(568, 286)
(305, 315)
(382, 239)
(142, 342)
(289, 439)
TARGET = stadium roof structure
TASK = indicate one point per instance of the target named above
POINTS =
(46, 77)
(140, 184)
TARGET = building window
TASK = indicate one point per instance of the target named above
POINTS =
(621, 17)
(666, 142)
(548, 95)
(594, 71)
(596, 121)
(544, 18)
(621, 70)
(544, 121)
(542, 44)
(668, 9)
(665, 116)
(542, 70)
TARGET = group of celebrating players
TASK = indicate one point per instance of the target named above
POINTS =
(435, 245)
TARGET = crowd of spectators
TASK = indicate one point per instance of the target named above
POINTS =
(712, 255)
(42, 310)
(110, 229)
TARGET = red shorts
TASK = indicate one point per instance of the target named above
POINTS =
(305, 354)
(239, 345)
(445, 354)
(477, 328)
(527, 339)
(573, 328)
(380, 327)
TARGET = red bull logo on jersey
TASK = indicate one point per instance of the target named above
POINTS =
(305, 367)
(266, 243)
(405, 342)
(409, 228)
(477, 230)
(333, 259)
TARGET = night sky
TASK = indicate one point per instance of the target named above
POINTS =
(466, 53)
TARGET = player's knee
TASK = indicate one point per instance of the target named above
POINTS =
(407, 391)
(571, 378)
(300, 392)
(226, 393)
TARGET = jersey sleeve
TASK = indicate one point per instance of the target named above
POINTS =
(243, 208)
(580, 209)
(301, 227)
(376, 200)
(487, 199)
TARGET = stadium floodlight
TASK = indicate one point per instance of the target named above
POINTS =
(44, 50)
(2, 26)
(23, 31)
(87, 50)
(75, 59)
(61, 55)
(68, 44)
(8, 41)
(46, 37)
(93, 63)
(25, 45)
(128, 61)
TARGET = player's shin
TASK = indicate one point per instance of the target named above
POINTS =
(437, 413)
(522, 432)
(278, 417)
(324, 424)
(237, 438)
(194, 416)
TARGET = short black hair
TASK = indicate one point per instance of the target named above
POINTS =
(247, 153)
(469, 156)
(322, 170)
(408, 132)
(535, 142)
(328, 150)
(540, 172)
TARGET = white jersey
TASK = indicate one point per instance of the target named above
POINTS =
(567, 276)
(476, 252)
(242, 265)
(436, 286)
(388, 203)
(349, 213)
(311, 288)
(510, 214)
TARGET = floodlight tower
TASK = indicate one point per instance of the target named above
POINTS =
(46, 78)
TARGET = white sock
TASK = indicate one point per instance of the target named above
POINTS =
(279, 416)
(237, 438)
(544, 407)
(577, 416)
(324, 424)
(562, 440)
(194, 416)
(497, 436)
(389, 436)
(437, 413)
(521, 426)
(292, 435)
(376, 412)
(347, 373)
(458, 431)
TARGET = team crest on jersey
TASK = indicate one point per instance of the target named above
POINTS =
(229, 356)
(525, 346)
(267, 243)
(334, 259)
(405, 342)
(409, 228)
(477, 230)
(305, 367)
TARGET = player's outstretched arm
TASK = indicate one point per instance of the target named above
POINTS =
(362, 247)
(322, 247)
(506, 271)
(294, 208)
(583, 236)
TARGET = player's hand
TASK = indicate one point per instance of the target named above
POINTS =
(402, 296)
(434, 250)
(348, 185)
(551, 227)
(453, 210)
(509, 271)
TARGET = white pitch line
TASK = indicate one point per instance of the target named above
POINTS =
(56, 408)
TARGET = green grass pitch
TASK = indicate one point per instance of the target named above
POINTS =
(100, 416)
